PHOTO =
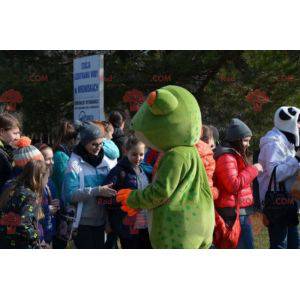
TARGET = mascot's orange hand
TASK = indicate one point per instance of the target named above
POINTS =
(130, 211)
(122, 197)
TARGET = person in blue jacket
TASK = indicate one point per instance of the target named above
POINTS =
(65, 142)
(84, 183)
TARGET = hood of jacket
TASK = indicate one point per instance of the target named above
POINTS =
(275, 135)
(220, 150)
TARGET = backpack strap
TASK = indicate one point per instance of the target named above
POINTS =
(273, 177)
(80, 204)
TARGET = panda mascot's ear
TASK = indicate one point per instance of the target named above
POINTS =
(161, 102)
(286, 119)
(284, 116)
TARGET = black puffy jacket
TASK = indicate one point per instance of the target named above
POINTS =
(6, 159)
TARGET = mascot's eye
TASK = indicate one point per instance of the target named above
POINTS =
(284, 116)
(292, 111)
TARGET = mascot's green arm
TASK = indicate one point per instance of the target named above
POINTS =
(170, 171)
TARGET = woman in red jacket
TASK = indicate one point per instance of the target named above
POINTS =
(233, 178)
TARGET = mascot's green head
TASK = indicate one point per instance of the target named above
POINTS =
(170, 117)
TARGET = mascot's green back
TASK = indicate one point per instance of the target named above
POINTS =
(179, 200)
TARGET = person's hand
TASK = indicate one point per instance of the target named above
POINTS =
(53, 209)
(258, 167)
(55, 202)
(130, 211)
(123, 195)
(107, 191)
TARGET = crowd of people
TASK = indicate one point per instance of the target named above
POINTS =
(64, 195)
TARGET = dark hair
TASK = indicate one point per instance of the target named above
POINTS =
(238, 146)
(66, 133)
(207, 133)
(8, 121)
(131, 142)
(116, 119)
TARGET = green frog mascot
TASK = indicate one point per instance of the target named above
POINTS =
(179, 201)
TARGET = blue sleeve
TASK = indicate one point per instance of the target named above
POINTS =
(60, 165)
(71, 184)
(110, 149)
(54, 193)
(52, 188)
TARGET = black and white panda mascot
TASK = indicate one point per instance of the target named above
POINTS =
(287, 120)
(278, 149)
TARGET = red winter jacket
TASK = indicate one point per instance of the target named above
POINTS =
(233, 178)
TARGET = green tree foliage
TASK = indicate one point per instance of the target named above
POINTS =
(221, 81)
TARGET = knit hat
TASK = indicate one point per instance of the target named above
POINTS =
(237, 130)
(26, 152)
(286, 119)
(88, 132)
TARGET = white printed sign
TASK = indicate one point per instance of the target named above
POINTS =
(88, 82)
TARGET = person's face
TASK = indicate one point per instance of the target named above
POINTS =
(246, 142)
(10, 136)
(211, 143)
(94, 146)
(48, 157)
(136, 154)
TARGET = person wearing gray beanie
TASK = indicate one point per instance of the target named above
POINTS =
(87, 169)
(89, 132)
(234, 177)
(237, 130)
